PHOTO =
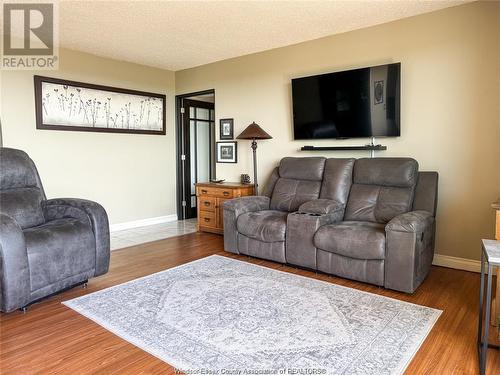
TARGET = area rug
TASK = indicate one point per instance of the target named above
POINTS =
(218, 315)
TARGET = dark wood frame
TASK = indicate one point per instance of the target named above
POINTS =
(231, 135)
(187, 170)
(217, 160)
(180, 147)
(38, 107)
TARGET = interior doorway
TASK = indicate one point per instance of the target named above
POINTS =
(195, 147)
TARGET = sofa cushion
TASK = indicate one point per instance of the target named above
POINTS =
(397, 172)
(309, 168)
(266, 226)
(59, 249)
(289, 194)
(299, 181)
(377, 204)
(354, 239)
(382, 189)
(24, 205)
(337, 179)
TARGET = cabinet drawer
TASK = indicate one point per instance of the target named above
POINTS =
(204, 191)
(215, 192)
(207, 219)
(224, 193)
(206, 203)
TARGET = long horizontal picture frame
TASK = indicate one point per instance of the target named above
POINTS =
(76, 106)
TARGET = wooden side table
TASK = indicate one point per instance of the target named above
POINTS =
(210, 198)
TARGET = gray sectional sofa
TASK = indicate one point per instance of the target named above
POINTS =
(371, 220)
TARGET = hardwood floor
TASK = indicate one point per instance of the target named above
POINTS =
(52, 339)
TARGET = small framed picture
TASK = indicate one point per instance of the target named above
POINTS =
(226, 128)
(227, 152)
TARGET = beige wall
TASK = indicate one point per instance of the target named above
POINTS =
(132, 176)
(450, 106)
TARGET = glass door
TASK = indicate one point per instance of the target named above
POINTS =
(199, 138)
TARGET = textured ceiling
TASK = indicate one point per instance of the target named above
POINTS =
(177, 35)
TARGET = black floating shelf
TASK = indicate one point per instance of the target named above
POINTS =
(345, 148)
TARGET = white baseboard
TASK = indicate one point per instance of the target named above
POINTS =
(457, 263)
(142, 223)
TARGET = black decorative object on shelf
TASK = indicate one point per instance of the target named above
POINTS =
(245, 178)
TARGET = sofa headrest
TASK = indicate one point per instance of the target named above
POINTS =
(309, 168)
(337, 179)
(397, 172)
(17, 170)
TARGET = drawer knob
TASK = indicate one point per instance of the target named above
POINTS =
(226, 193)
(204, 191)
(207, 219)
(206, 203)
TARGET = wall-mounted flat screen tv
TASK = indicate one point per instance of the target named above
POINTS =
(350, 104)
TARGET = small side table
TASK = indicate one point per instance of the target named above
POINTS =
(491, 254)
(210, 200)
(495, 308)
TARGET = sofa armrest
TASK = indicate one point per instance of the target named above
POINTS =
(247, 204)
(15, 275)
(409, 250)
(94, 213)
(234, 208)
(415, 221)
(321, 207)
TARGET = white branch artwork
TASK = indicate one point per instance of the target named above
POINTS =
(67, 105)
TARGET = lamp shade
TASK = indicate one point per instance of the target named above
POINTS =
(253, 131)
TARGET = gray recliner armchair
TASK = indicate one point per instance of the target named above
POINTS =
(45, 245)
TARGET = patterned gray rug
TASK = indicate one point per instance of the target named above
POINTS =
(231, 317)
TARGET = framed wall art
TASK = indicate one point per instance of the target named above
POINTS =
(226, 128)
(78, 106)
(226, 152)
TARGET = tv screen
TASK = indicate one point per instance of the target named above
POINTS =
(350, 104)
